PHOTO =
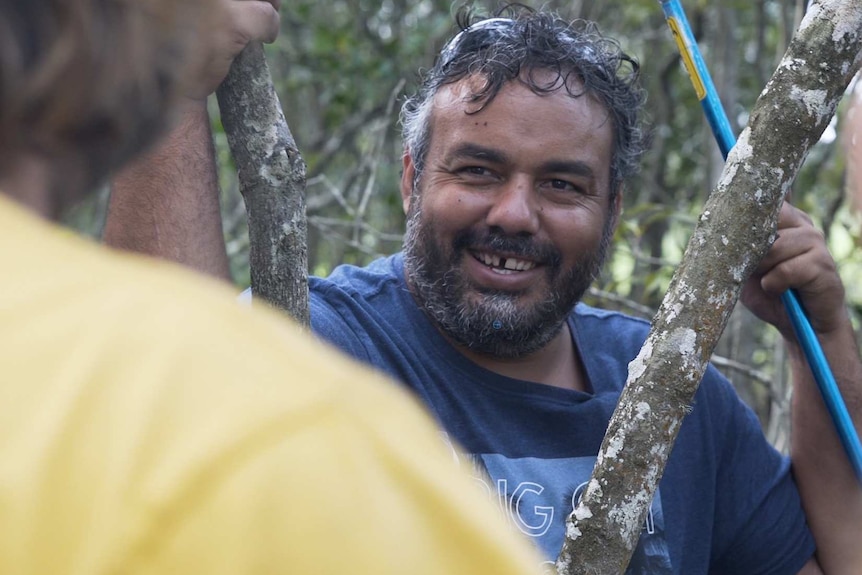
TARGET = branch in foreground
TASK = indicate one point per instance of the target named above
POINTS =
(735, 230)
(271, 176)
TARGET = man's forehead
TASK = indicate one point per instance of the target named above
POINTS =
(462, 94)
(458, 93)
(454, 100)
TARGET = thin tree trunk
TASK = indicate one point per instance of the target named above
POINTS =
(737, 227)
(271, 176)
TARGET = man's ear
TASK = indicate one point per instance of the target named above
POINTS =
(408, 172)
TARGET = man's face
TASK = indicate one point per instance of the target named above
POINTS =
(512, 216)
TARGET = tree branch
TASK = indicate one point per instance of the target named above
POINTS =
(271, 176)
(735, 230)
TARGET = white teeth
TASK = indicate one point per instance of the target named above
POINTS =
(509, 264)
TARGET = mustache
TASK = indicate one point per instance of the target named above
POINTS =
(517, 245)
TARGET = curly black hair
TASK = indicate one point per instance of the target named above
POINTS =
(512, 45)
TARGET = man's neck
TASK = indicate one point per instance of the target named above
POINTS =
(557, 364)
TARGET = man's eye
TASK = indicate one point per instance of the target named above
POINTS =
(562, 185)
(475, 171)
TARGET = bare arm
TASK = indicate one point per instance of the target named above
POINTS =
(166, 204)
(831, 494)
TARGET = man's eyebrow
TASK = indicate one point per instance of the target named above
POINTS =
(472, 151)
(574, 168)
(477, 152)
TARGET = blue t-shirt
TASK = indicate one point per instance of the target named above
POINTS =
(726, 503)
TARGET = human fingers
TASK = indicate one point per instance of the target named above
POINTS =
(800, 260)
(798, 256)
(234, 24)
(254, 20)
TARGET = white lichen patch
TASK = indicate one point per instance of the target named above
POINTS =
(847, 22)
(582, 512)
(719, 300)
(811, 14)
(271, 178)
(594, 491)
(727, 176)
(725, 241)
(642, 409)
(684, 339)
(572, 532)
(681, 293)
(739, 154)
(627, 515)
(778, 173)
(814, 101)
(687, 293)
(674, 312)
(615, 445)
(792, 64)
(737, 273)
(638, 365)
(659, 451)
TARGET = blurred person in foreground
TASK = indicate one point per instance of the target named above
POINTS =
(517, 146)
(148, 424)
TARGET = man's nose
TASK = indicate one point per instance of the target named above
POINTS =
(515, 208)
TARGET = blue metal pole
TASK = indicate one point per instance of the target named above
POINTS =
(708, 96)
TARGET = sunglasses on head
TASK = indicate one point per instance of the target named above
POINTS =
(474, 38)
(485, 33)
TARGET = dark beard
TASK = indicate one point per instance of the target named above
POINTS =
(498, 325)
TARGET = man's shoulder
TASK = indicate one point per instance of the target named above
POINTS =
(609, 317)
(598, 327)
(376, 288)
(357, 308)
(613, 338)
(360, 280)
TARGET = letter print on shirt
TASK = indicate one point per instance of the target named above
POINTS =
(537, 495)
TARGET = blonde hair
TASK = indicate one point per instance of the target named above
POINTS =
(90, 80)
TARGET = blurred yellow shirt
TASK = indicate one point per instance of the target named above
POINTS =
(149, 424)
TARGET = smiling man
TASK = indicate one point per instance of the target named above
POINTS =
(516, 149)
(508, 223)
